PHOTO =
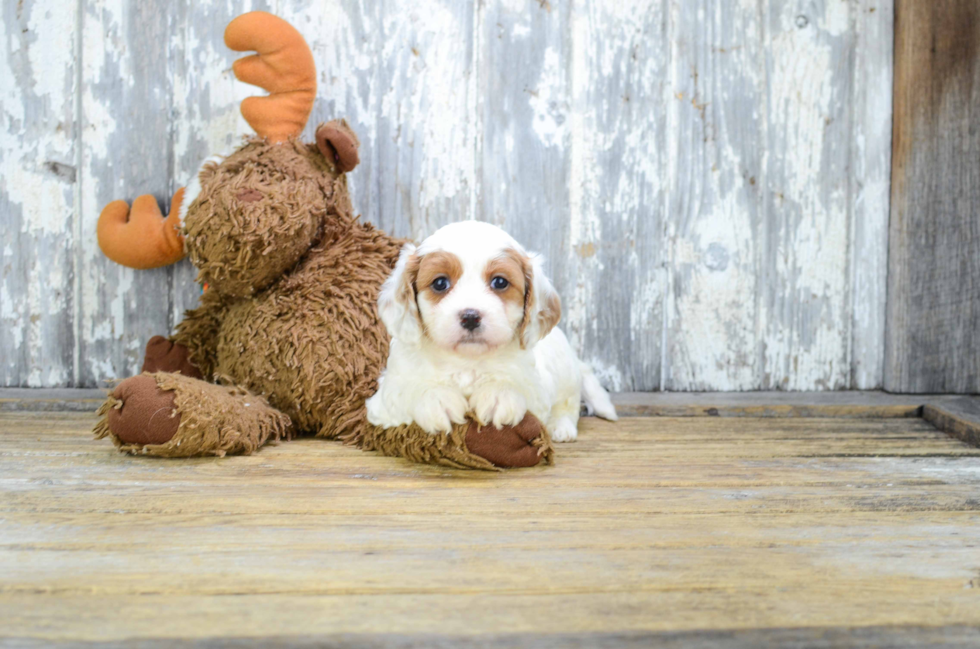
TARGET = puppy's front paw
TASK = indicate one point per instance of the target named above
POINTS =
(439, 409)
(564, 430)
(501, 407)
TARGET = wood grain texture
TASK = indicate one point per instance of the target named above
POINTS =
(707, 180)
(611, 265)
(126, 85)
(38, 192)
(958, 417)
(646, 526)
(810, 46)
(933, 342)
(870, 187)
(852, 405)
(874, 637)
(716, 231)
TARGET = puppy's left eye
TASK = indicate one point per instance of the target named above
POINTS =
(440, 284)
(499, 283)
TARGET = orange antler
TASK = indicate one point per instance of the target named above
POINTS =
(283, 66)
(141, 237)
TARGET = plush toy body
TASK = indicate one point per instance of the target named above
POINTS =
(288, 325)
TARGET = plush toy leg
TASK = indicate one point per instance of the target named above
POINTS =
(469, 446)
(165, 355)
(170, 415)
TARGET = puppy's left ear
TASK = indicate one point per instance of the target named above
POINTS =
(542, 306)
(396, 304)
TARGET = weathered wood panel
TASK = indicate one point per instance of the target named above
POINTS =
(524, 96)
(805, 307)
(669, 525)
(126, 85)
(778, 199)
(870, 189)
(933, 336)
(707, 180)
(38, 192)
(611, 265)
(717, 229)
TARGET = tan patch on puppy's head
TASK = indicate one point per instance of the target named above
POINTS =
(514, 267)
(433, 266)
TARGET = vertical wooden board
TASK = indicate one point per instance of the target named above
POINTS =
(805, 304)
(422, 162)
(524, 106)
(611, 264)
(871, 170)
(38, 179)
(523, 150)
(932, 334)
(717, 218)
(204, 108)
(346, 37)
(126, 151)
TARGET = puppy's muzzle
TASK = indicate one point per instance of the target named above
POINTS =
(469, 319)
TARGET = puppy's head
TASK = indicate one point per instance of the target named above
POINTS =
(470, 289)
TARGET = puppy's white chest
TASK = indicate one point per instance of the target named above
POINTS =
(465, 380)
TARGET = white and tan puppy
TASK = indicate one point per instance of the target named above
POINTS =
(472, 322)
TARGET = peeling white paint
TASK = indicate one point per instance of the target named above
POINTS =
(37, 186)
(806, 349)
(550, 114)
(679, 160)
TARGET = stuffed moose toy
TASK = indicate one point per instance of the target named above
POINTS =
(286, 340)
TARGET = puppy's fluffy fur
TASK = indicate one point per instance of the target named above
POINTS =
(472, 322)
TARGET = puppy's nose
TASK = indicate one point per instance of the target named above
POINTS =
(469, 319)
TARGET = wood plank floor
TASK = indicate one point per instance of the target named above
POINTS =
(644, 529)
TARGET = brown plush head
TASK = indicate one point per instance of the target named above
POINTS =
(261, 209)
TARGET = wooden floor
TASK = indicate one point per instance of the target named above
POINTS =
(654, 531)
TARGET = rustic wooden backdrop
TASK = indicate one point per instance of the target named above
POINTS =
(708, 178)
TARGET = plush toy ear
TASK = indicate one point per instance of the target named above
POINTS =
(542, 306)
(396, 304)
(338, 143)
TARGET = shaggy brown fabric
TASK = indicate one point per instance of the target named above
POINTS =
(467, 447)
(198, 332)
(241, 243)
(313, 343)
(213, 419)
(164, 355)
(311, 340)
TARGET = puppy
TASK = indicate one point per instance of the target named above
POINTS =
(472, 322)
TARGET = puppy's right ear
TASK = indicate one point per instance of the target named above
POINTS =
(396, 304)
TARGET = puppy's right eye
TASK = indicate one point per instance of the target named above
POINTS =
(440, 284)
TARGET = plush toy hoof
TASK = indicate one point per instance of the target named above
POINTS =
(164, 355)
(146, 414)
(509, 447)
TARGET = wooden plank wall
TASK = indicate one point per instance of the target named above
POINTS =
(933, 340)
(709, 179)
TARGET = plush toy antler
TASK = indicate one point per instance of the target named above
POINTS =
(142, 238)
(283, 66)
